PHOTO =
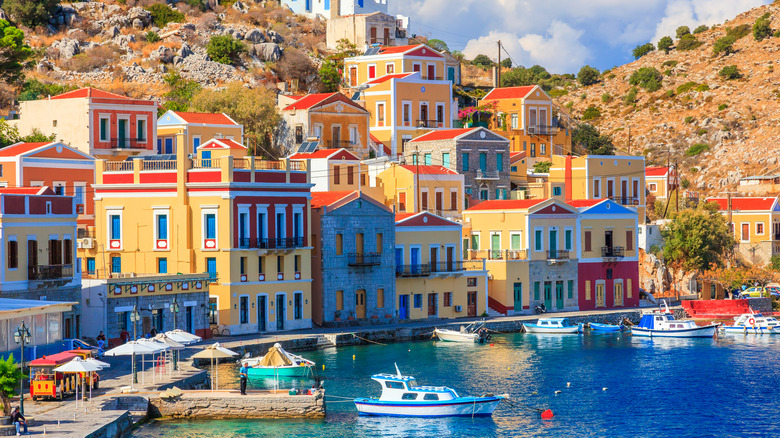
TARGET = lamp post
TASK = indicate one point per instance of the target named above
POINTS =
(174, 307)
(135, 317)
(22, 337)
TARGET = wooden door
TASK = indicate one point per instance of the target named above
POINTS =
(600, 295)
(280, 312)
(386, 40)
(353, 76)
(618, 294)
(559, 295)
(434, 260)
(495, 246)
(335, 137)
(424, 201)
(432, 307)
(624, 192)
(553, 244)
(548, 295)
(360, 304)
(745, 232)
(262, 303)
(450, 258)
(518, 294)
(431, 71)
(608, 240)
(359, 243)
(471, 302)
(439, 202)
(373, 35)
(424, 113)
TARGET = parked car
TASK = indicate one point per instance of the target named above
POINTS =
(760, 291)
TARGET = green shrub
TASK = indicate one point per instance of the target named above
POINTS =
(30, 13)
(542, 166)
(722, 106)
(738, 32)
(669, 94)
(647, 77)
(152, 37)
(762, 28)
(724, 45)
(665, 44)
(558, 92)
(611, 76)
(587, 75)
(224, 49)
(630, 98)
(688, 42)
(482, 61)
(701, 29)
(670, 63)
(686, 87)
(642, 50)
(591, 113)
(697, 149)
(685, 183)
(606, 98)
(701, 132)
(776, 34)
(730, 72)
(702, 87)
(689, 119)
(682, 31)
(33, 90)
(329, 77)
(162, 15)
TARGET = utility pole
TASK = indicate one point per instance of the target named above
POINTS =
(676, 186)
(498, 68)
(629, 140)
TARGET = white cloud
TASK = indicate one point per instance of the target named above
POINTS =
(693, 13)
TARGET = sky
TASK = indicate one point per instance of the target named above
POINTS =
(561, 35)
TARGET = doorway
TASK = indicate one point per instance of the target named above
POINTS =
(471, 303)
(280, 311)
(548, 295)
(559, 295)
(618, 294)
(433, 304)
(360, 304)
(600, 295)
(188, 319)
(518, 294)
(403, 306)
(262, 304)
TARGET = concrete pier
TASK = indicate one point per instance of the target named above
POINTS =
(231, 404)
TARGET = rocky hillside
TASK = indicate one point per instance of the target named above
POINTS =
(717, 129)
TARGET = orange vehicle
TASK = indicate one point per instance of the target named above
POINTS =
(86, 354)
(45, 383)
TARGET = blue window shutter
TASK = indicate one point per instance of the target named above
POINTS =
(162, 227)
(116, 231)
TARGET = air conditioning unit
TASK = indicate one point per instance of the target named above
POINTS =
(531, 129)
(458, 308)
(85, 243)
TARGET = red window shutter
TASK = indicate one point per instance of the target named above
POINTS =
(629, 240)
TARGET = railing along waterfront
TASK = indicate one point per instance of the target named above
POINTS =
(497, 254)
(118, 166)
(158, 164)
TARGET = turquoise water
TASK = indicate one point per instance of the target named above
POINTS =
(667, 387)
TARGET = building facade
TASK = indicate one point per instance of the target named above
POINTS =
(414, 188)
(755, 223)
(365, 30)
(661, 180)
(378, 62)
(196, 128)
(46, 320)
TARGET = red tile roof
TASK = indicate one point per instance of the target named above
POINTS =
(386, 78)
(206, 118)
(506, 204)
(397, 49)
(443, 134)
(221, 143)
(45, 190)
(514, 156)
(656, 170)
(744, 204)
(319, 199)
(579, 203)
(428, 170)
(21, 148)
(89, 92)
(308, 101)
(509, 92)
(322, 153)
(401, 216)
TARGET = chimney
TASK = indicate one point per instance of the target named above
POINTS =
(494, 76)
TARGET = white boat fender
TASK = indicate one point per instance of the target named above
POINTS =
(568, 384)
(558, 392)
(604, 388)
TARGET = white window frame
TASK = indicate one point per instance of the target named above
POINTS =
(62, 184)
(368, 71)
(763, 228)
(419, 109)
(113, 211)
(514, 120)
(127, 118)
(262, 208)
(107, 138)
(383, 104)
(298, 208)
(597, 183)
(203, 213)
(200, 143)
(427, 65)
(427, 198)
(479, 237)
(388, 67)
(244, 209)
(419, 64)
(142, 118)
(354, 134)
(13, 239)
(740, 231)
(443, 114)
(403, 253)
(490, 244)
(404, 103)
(520, 235)
(161, 211)
(280, 208)
(614, 188)
(571, 241)
(539, 248)
(352, 67)
(316, 130)
(636, 194)
(83, 185)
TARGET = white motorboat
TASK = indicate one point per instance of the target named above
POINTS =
(552, 325)
(661, 324)
(752, 323)
(401, 397)
(474, 332)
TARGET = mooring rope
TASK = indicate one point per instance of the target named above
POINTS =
(367, 340)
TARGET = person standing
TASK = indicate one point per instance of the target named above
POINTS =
(242, 374)
(18, 420)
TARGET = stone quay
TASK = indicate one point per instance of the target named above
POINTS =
(231, 404)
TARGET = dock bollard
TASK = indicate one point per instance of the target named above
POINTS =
(353, 357)
(323, 367)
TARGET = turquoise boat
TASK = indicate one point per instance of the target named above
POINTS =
(279, 363)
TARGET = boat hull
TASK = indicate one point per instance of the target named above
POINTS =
(604, 327)
(464, 407)
(293, 371)
(697, 332)
(453, 336)
(745, 330)
(533, 328)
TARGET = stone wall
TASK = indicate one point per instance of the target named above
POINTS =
(220, 405)
(161, 302)
(541, 271)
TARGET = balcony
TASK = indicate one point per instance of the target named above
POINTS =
(128, 143)
(50, 273)
(451, 214)
(612, 251)
(413, 270)
(364, 259)
(430, 123)
(279, 243)
(337, 144)
(433, 78)
(558, 254)
(625, 200)
(542, 130)
(497, 254)
(487, 174)
(380, 41)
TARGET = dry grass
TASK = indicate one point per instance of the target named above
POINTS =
(92, 59)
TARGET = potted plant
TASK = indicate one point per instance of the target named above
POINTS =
(337, 316)
(351, 316)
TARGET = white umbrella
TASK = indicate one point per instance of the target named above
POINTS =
(131, 348)
(99, 363)
(175, 346)
(219, 347)
(211, 353)
(182, 336)
(79, 365)
(160, 347)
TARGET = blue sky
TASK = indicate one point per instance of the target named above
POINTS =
(561, 35)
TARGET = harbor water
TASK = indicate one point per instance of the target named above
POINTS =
(611, 385)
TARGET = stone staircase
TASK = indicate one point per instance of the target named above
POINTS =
(492, 312)
(326, 341)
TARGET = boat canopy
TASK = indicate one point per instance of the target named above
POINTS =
(648, 321)
(275, 358)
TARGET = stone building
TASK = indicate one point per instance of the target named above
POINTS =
(478, 154)
(365, 30)
(353, 265)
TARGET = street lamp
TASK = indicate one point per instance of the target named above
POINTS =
(22, 337)
(174, 310)
(135, 317)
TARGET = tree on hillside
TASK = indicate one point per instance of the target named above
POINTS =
(647, 77)
(330, 78)
(10, 378)
(701, 29)
(520, 76)
(14, 53)
(588, 75)
(506, 63)
(724, 45)
(665, 43)
(255, 108)
(10, 135)
(438, 45)
(682, 31)
(688, 42)
(30, 13)
(697, 239)
(762, 27)
(180, 94)
(482, 61)
(589, 138)
(642, 50)
(225, 49)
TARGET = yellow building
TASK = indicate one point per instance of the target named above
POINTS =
(525, 116)
(378, 62)
(410, 188)
(432, 279)
(756, 226)
(404, 106)
(530, 249)
(616, 177)
(518, 169)
(197, 129)
(660, 180)
(243, 220)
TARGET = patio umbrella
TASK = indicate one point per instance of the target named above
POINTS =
(211, 353)
(130, 348)
(99, 363)
(79, 365)
(160, 347)
(222, 349)
(174, 346)
(182, 336)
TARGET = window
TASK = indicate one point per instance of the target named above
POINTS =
(570, 288)
(390, 68)
(440, 114)
(297, 261)
(471, 282)
(475, 241)
(514, 168)
(140, 125)
(567, 239)
(629, 240)
(260, 264)
(211, 226)
(339, 300)
(445, 159)
(557, 191)
(759, 228)
(211, 266)
(339, 244)
(162, 227)
(350, 175)
(587, 241)
(525, 145)
(79, 190)
(298, 305)
(379, 242)
(243, 307)
(454, 201)
(538, 242)
(13, 254)
(409, 396)
(91, 265)
(279, 264)
(418, 301)
(336, 175)
(380, 113)
(402, 202)
(162, 265)
(116, 264)
(542, 149)
(483, 194)
(414, 160)
(536, 290)
(515, 242)
(59, 190)
(596, 189)
(116, 226)
(372, 69)
(212, 310)
(465, 162)
(587, 289)
(242, 265)
(104, 129)
(447, 299)
(431, 397)
(407, 112)
(427, 159)
(533, 149)
(380, 298)
(500, 162)
(653, 187)
(482, 161)
(394, 385)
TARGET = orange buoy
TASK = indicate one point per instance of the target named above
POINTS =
(547, 415)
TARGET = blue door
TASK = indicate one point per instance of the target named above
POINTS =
(399, 260)
(206, 156)
(415, 261)
(261, 312)
(168, 145)
(403, 306)
(159, 146)
(451, 74)
(518, 292)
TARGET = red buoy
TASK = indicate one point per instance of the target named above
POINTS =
(492, 345)
(547, 415)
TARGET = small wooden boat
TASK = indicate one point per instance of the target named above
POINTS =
(552, 325)
(278, 363)
(752, 323)
(599, 327)
(474, 332)
(661, 324)
(401, 397)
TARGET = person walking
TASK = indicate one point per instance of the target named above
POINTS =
(18, 420)
(242, 373)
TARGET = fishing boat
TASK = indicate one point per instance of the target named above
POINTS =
(661, 324)
(401, 397)
(278, 363)
(552, 325)
(474, 332)
(606, 328)
(752, 323)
